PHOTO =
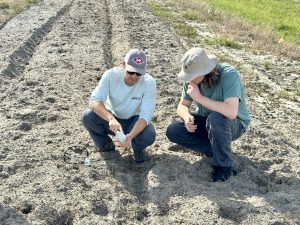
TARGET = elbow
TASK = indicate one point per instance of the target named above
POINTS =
(146, 119)
(232, 116)
(92, 105)
(177, 110)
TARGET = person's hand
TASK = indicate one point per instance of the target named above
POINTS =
(114, 125)
(193, 91)
(127, 142)
(189, 124)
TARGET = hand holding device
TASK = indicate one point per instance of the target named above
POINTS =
(120, 136)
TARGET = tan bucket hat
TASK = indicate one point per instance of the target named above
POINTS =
(195, 62)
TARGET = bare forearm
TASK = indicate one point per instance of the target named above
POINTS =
(183, 111)
(138, 127)
(221, 107)
(100, 110)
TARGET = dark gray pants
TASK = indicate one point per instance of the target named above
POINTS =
(98, 129)
(213, 136)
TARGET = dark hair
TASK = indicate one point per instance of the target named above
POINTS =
(211, 78)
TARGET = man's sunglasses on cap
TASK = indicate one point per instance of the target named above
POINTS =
(132, 73)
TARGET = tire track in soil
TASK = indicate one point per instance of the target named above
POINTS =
(21, 56)
(18, 45)
(42, 109)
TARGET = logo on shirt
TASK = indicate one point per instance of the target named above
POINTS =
(136, 98)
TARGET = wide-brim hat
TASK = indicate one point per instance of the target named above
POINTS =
(135, 61)
(195, 62)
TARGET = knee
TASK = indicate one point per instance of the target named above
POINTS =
(215, 121)
(148, 136)
(151, 136)
(171, 132)
(87, 117)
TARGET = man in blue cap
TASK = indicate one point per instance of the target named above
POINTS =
(123, 101)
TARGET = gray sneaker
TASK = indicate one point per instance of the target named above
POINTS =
(139, 156)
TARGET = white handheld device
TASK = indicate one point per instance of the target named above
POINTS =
(120, 136)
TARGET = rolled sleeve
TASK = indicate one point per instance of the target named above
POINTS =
(101, 91)
(231, 85)
(148, 102)
(184, 93)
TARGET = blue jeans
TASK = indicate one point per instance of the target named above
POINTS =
(213, 136)
(98, 129)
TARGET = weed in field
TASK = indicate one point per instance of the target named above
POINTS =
(16, 8)
(254, 87)
(272, 100)
(4, 5)
(13, 7)
(267, 64)
(284, 94)
(288, 95)
(223, 41)
(160, 10)
(250, 84)
(185, 30)
(190, 15)
(225, 58)
(30, 2)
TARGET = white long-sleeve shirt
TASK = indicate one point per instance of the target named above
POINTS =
(126, 101)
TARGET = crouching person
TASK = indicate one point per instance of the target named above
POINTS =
(221, 114)
(123, 101)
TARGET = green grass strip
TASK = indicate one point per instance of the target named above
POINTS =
(282, 16)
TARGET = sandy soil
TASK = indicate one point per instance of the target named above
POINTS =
(49, 66)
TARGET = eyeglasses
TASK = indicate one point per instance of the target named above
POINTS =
(132, 73)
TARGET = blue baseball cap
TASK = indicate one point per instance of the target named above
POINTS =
(135, 61)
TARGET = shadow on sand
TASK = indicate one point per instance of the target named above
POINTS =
(168, 175)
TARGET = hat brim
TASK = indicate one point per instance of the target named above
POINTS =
(201, 72)
(133, 69)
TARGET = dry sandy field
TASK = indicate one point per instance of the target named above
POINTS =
(52, 56)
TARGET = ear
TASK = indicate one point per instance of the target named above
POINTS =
(123, 64)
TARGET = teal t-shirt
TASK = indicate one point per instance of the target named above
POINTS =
(229, 85)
